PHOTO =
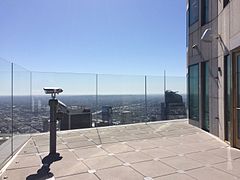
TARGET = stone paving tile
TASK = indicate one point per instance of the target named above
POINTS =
(231, 166)
(74, 139)
(19, 174)
(117, 148)
(127, 138)
(28, 150)
(25, 161)
(84, 176)
(132, 157)
(188, 139)
(141, 144)
(208, 145)
(181, 163)
(177, 133)
(68, 134)
(42, 149)
(182, 149)
(158, 153)
(153, 168)
(102, 162)
(205, 157)
(163, 142)
(30, 144)
(68, 165)
(208, 173)
(45, 142)
(105, 141)
(80, 144)
(176, 176)
(227, 153)
(86, 153)
(147, 136)
(119, 173)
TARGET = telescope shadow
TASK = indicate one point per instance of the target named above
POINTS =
(44, 171)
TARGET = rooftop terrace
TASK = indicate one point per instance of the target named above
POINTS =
(160, 150)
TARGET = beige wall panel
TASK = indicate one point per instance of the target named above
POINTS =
(221, 97)
(213, 100)
(223, 31)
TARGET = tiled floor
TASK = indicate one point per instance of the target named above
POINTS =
(159, 151)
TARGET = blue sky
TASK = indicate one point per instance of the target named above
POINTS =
(133, 37)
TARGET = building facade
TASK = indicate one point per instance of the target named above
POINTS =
(76, 119)
(213, 59)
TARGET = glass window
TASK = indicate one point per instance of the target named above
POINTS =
(205, 104)
(205, 12)
(227, 96)
(193, 11)
(238, 96)
(193, 92)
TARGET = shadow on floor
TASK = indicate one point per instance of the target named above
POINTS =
(44, 171)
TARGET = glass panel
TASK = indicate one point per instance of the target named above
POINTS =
(124, 95)
(79, 94)
(238, 95)
(228, 106)
(193, 11)
(21, 106)
(175, 98)
(205, 96)
(193, 88)
(5, 111)
(155, 98)
(205, 11)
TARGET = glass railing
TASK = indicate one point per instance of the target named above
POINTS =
(6, 105)
(92, 100)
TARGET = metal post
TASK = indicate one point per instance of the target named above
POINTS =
(53, 103)
(164, 86)
(30, 92)
(12, 107)
(96, 98)
(146, 108)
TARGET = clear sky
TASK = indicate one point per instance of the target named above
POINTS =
(131, 37)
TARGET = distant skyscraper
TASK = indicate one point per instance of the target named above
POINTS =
(107, 115)
(173, 107)
(76, 119)
(45, 125)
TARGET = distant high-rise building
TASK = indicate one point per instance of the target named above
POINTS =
(173, 107)
(126, 117)
(107, 115)
(76, 119)
(45, 125)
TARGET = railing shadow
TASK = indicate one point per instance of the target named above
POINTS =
(44, 171)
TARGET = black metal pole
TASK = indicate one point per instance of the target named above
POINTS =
(53, 103)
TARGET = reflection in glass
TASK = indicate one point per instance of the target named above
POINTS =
(193, 92)
(193, 11)
(205, 96)
(205, 11)
(228, 89)
(238, 95)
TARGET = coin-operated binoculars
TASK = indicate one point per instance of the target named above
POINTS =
(56, 107)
